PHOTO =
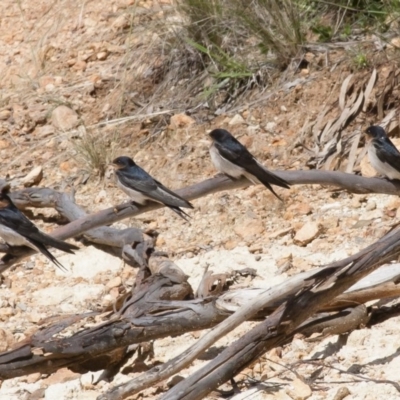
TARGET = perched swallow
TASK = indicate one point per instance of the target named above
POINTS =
(230, 157)
(18, 230)
(382, 153)
(140, 186)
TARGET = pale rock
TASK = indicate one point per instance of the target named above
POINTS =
(60, 376)
(79, 65)
(121, 22)
(236, 120)
(44, 131)
(32, 378)
(5, 313)
(64, 118)
(395, 42)
(6, 340)
(307, 233)
(252, 129)
(371, 206)
(301, 391)
(65, 390)
(5, 114)
(249, 227)
(102, 55)
(33, 178)
(4, 144)
(300, 208)
(115, 282)
(46, 80)
(270, 126)
(89, 22)
(246, 141)
(367, 169)
(180, 121)
(90, 262)
(78, 294)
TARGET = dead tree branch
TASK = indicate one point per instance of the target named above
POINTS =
(82, 222)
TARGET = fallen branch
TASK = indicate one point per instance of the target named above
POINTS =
(81, 222)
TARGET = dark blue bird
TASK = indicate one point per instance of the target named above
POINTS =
(18, 230)
(230, 157)
(382, 153)
(141, 186)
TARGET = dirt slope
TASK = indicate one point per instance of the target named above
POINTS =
(68, 76)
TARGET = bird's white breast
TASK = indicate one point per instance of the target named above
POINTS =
(225, 166)
(13, 238)
(381, 167)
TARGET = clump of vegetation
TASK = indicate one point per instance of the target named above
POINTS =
(97, 150)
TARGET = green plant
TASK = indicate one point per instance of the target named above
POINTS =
(360, 60)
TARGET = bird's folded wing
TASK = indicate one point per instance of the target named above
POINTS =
(387, 153)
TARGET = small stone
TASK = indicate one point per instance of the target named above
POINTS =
(236, 120)
(342, 393)
(64, 118)
(46, 80)
(246, 141)
(301, 390)
(180, 121)
(102, 55)
(371, 206)
(249, 227)
(304, 71)
(67, 166)
(44, 131)
(355, 202)
(395, 42)
(5, 313)
(307, 233)
(270, 126)
(230, 244)
(33, 378)
(300, 209)
(33, 178)
(4, 144)
(115, 282)
(5, 114)
(6, 340)
(79, 65)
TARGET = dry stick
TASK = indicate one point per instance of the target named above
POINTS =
(246, 312)
(328, 283)
(350, 182)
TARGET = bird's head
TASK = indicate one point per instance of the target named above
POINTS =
(220, 135)
(123, 162)
(376, 132)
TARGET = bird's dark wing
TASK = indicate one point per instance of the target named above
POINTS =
(236, 153)
(14, 219)
(138, 179)
(387, 152)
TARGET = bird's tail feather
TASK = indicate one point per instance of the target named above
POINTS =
(61, 245)
(268, 177)
(180, 212)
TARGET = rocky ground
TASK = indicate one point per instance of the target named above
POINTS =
(62, 78)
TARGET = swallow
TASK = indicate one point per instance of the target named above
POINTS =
(141, 187)
(230, 157)
(382, 153)
(17, 230)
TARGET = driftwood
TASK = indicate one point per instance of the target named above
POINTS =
(148, 315)
(82, 223)
(162, 305)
